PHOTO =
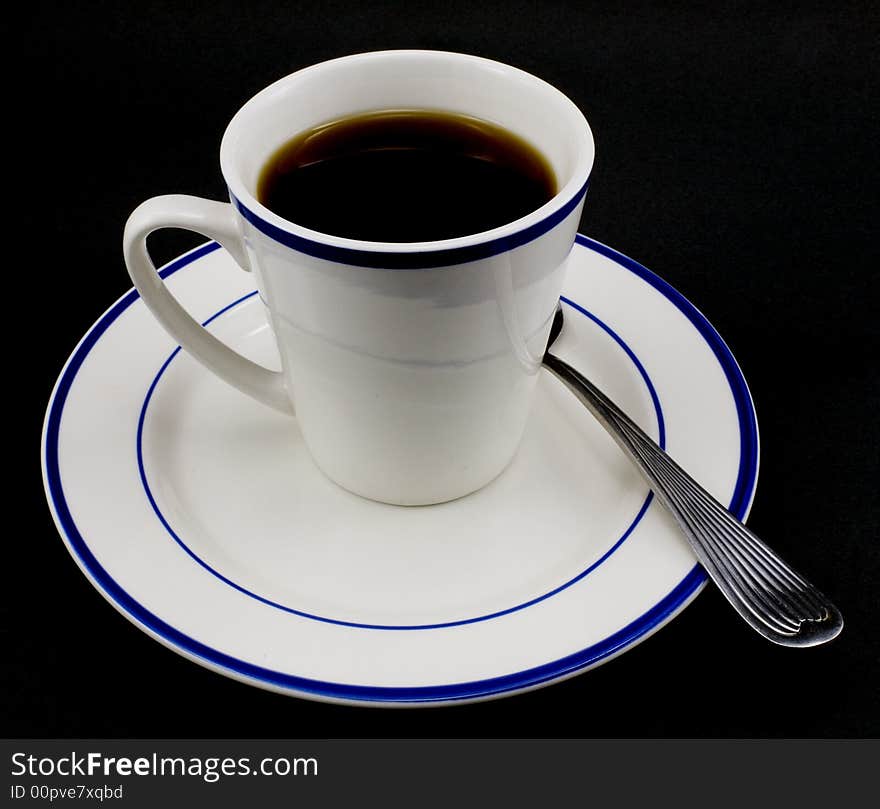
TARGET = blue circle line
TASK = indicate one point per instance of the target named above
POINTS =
(412, 259)
(589, 656)
(394, 627)
(747, 474)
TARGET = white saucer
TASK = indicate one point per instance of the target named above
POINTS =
(198, 514)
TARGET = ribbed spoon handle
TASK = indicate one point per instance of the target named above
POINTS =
(772, 598)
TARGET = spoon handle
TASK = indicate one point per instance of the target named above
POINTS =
(770, 596)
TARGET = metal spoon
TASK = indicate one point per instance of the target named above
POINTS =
(771, 597)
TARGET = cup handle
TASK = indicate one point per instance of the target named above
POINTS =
(216, 220)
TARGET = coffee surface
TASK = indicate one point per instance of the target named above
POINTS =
(405, 176)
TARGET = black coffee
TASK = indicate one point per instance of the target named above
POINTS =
(405, 176)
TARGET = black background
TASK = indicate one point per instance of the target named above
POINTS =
(736, 157)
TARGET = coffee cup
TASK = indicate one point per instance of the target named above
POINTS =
(409, 367)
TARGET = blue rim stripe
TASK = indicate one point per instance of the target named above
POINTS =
(745, 411)
(428, 259)
(661, 430)
(585, 658)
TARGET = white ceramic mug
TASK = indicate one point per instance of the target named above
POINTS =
(411, 366)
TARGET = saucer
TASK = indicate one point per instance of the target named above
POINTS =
(199, 515)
